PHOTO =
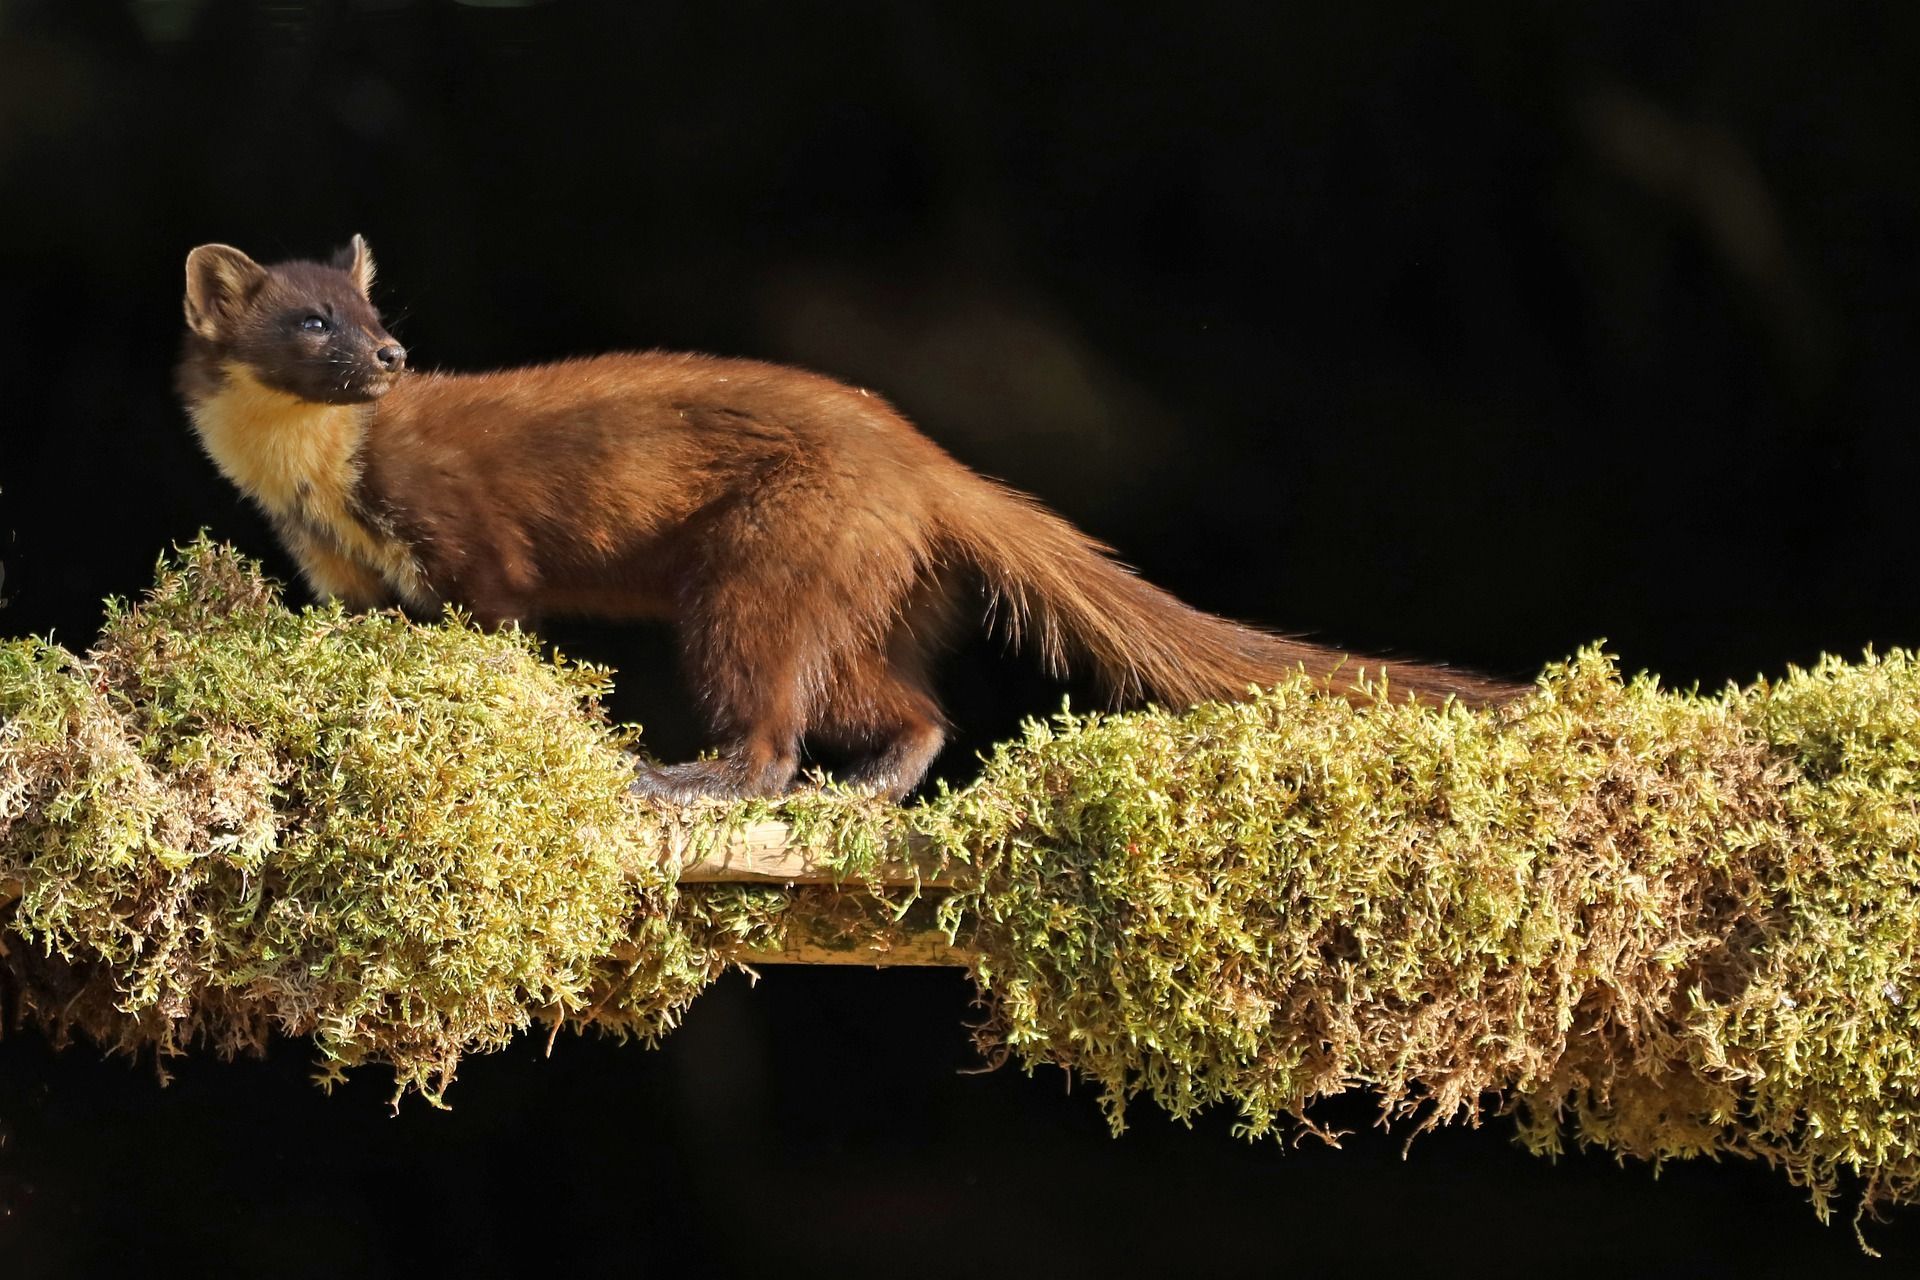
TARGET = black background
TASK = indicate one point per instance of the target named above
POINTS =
(1476, 332)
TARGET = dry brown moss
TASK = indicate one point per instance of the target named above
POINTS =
(1657, 923)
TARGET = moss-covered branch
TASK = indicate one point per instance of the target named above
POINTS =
(1659, 923)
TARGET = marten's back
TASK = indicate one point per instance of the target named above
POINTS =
(562, 470)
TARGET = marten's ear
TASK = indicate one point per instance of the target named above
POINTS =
(220, 281)
(357, 261)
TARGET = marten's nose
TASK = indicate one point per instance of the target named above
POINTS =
(392, 357)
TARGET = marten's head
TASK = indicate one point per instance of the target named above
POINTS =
(305, 328)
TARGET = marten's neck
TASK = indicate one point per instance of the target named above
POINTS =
(285, 453)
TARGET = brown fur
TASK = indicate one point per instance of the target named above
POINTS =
(810, 546)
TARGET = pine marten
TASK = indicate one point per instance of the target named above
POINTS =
(811, 547)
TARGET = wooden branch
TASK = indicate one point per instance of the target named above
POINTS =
(765, 853)
(881, 940)
(768, 853)
(924, 950)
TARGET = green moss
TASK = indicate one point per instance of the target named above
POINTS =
(405, 841)
(1660, 924)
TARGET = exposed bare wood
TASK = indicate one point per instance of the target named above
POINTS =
(767, 853)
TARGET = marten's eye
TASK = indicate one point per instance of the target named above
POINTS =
(315, 324)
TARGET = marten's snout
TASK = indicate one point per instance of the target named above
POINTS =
(392, 357)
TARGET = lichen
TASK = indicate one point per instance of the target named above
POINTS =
(1661, 924)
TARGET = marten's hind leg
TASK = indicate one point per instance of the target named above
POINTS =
(889, 718)
(881, 706)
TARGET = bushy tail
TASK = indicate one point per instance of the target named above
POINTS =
(1057, 590)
